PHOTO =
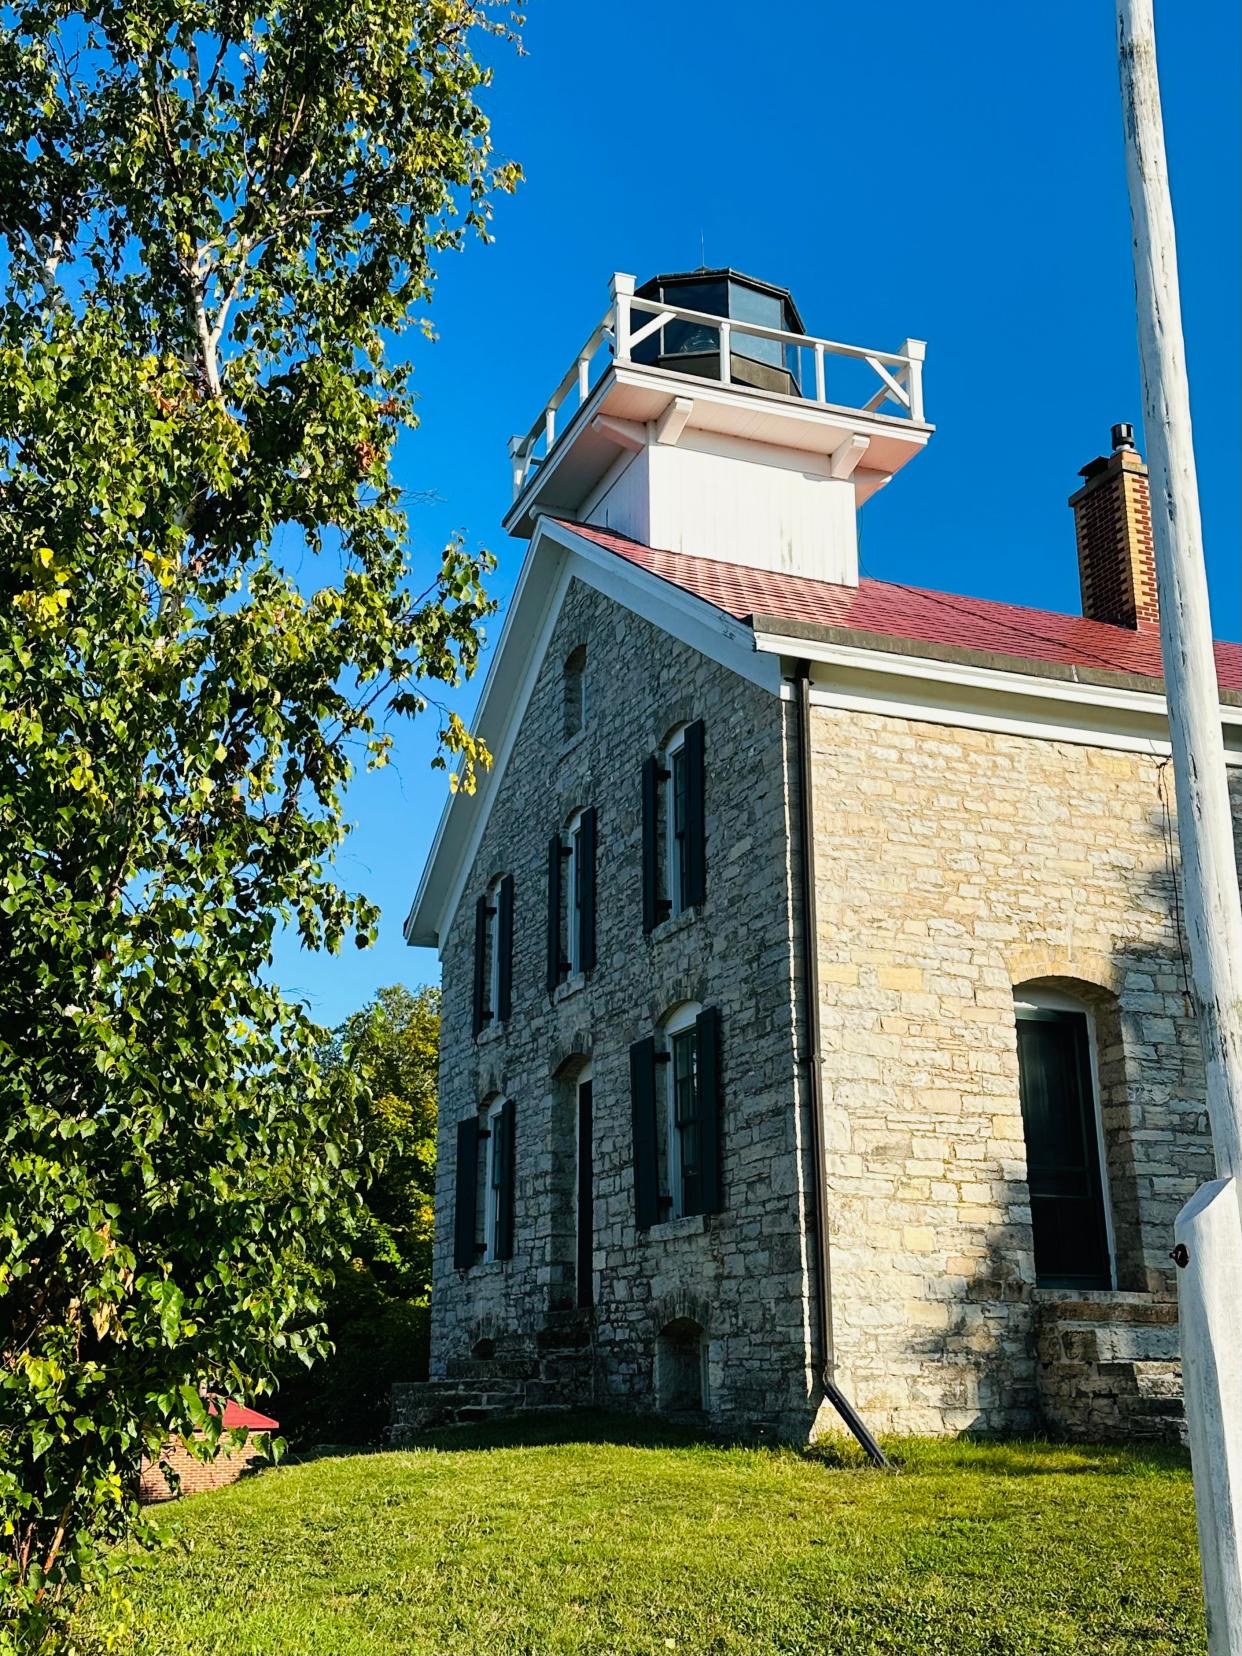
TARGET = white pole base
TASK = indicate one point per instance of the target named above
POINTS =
(1209, 1230)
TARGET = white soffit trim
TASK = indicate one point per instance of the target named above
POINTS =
(533, 609)
(555, 556)
(850, 676)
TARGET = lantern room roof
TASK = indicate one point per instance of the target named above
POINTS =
(726, 273)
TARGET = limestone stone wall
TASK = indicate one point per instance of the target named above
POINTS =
(952, 866)
(739, 1273)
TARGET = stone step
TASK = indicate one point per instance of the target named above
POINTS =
(485, 1369)
(1160, 1382)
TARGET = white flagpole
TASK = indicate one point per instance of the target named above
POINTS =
(1209, 1229)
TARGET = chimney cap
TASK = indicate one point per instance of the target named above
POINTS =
(1123, 436)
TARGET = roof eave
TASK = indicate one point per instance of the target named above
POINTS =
(780, 635)
(535, 586)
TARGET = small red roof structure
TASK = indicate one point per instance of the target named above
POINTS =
(235, 1415)
(892, 611)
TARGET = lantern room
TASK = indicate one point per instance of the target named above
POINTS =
(694, 346)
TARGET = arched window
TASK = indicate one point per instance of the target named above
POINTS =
(493, 953)
(496, 1133)
(485, 1184)
(674, 825)
(576, 892)
(1058, 1070)
(682, 1110)
(675, 1096)
(570, 1215)
(575, 702)
(571, 897)
(493, 947)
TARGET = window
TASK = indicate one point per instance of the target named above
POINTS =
(674, 827)
(683, 1109)
(575, 692)
(676, 861)
(1061, 1122)
(493, 954)
(675, 1095)
(571, 898)
(495, 1178)
(484, 1185)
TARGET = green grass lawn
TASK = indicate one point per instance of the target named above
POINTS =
(605, 1538)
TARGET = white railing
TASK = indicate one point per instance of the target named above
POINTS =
(899, 372)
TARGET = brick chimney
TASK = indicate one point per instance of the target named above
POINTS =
(1112, 520)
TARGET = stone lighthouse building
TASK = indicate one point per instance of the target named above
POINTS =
(816, 1038)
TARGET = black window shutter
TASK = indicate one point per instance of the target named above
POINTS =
(696, 816)
(711, 1188)
(504, 942)
(480, 964)
(505, 1132)
(554, 912)
(465, 1211)
(651, 843)
(587, 836)
(646, 1148)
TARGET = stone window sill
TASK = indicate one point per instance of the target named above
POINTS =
(691, 1224)
(569, 988)
(487, 1267)
(571, 744)
(490, 1034)
(674, 924)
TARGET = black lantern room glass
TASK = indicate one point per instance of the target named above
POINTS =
(694, 347)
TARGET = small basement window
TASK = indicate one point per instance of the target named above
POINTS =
(680, 1367)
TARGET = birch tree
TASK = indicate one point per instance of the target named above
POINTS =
(219, 219)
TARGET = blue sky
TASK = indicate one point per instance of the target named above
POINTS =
(953, 173)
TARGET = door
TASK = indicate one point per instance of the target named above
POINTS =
(586, 1199)
(1062, 1149)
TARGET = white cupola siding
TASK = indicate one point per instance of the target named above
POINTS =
(709, 429)
(716, 496)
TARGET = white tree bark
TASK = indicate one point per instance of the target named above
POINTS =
(1211, 1225)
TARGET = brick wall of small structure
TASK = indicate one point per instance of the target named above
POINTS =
(740, 1273)
(954, 865)
(196, 1476)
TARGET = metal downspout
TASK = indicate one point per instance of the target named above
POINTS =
(814, 1062)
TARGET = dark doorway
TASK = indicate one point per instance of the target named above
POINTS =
(1062, 1149)
(679, 1361)
(586, 1198)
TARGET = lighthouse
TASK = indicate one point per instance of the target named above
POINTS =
(700, 418)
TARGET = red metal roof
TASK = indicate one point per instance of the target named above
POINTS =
(237, 1415)
(892, 610)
